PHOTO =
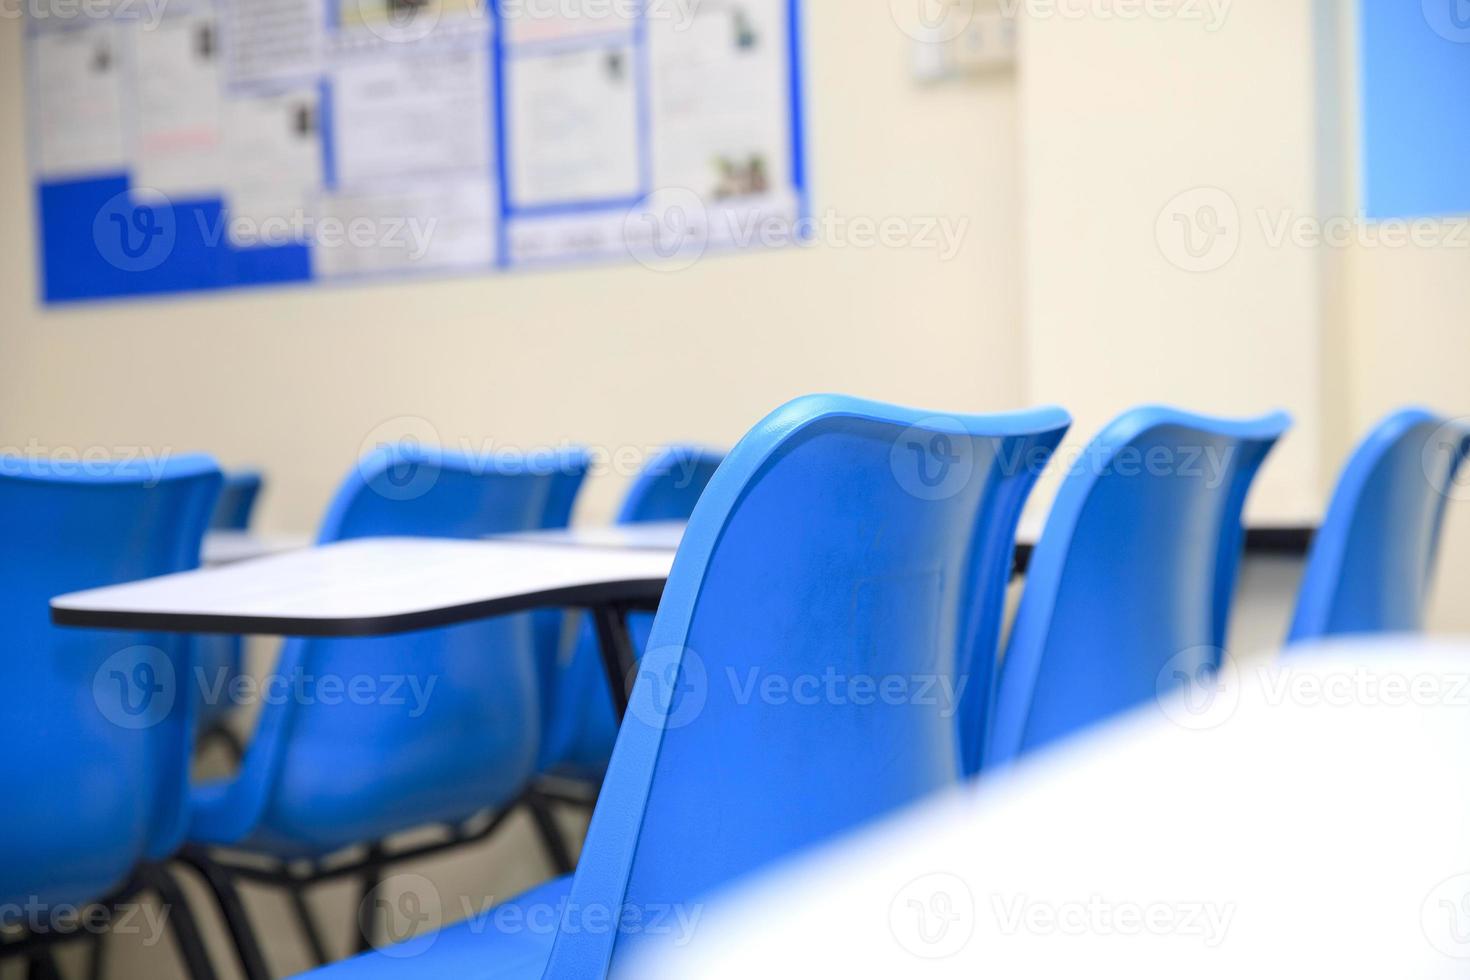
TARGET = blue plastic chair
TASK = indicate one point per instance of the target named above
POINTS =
(838, 540)
(97, 737)
(580, 739)
(322, 776)
(457, 729)
(1133, 576)
(1372, 562)
(237, 501)
(217, 658)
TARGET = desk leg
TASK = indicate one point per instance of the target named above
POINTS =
(618, 658)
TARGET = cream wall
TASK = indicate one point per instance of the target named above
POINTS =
(1117, 117)
(614, 356)
(1129, 124)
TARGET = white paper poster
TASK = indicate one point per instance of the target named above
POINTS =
(718, 87)
(273, 165)
(423, 114)
(272, 41)
(444, 225)
(77, 77)
(539, 21)
(178, 112)
(574, 126)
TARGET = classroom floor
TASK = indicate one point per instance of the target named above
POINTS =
(474, 878)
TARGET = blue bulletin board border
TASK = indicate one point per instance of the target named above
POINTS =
(95, 243)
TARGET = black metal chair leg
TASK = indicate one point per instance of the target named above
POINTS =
(181, 919)
(309, 928)
(367, 913)
(551, 837)
(619, 660)
(42, 967)
(232, 910)
(95, 957)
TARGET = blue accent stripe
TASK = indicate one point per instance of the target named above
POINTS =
(642, 59)
(575, 208)
(327, 130)
(798, 111)
(502, 165)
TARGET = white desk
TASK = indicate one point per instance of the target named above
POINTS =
(1268, 836)
(654, 536)
(229, 547)
(381, 586)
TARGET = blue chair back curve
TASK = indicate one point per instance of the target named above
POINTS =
(1129, 589)
(237, 500)
(800, 676)
(1372, 562)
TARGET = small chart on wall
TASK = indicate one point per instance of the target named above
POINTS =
(216, 144)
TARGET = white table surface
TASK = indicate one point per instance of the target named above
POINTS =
(1268, 835)
(371, 587)
(653, 536)
(229, 547)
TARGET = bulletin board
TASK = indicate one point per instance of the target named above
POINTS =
(215, 144)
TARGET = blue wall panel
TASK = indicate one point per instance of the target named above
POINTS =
(1415, 58)
(97, 243)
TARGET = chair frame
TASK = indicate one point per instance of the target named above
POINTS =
(38, 948)
(223, 873)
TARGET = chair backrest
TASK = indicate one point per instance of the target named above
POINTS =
(581, 728)
(801, 672)
(1133, 576)
(97, 740)
(444, 723)
(237, 500)
(670, 484)
(1372, 562)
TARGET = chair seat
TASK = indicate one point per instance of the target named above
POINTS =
(512, 940)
